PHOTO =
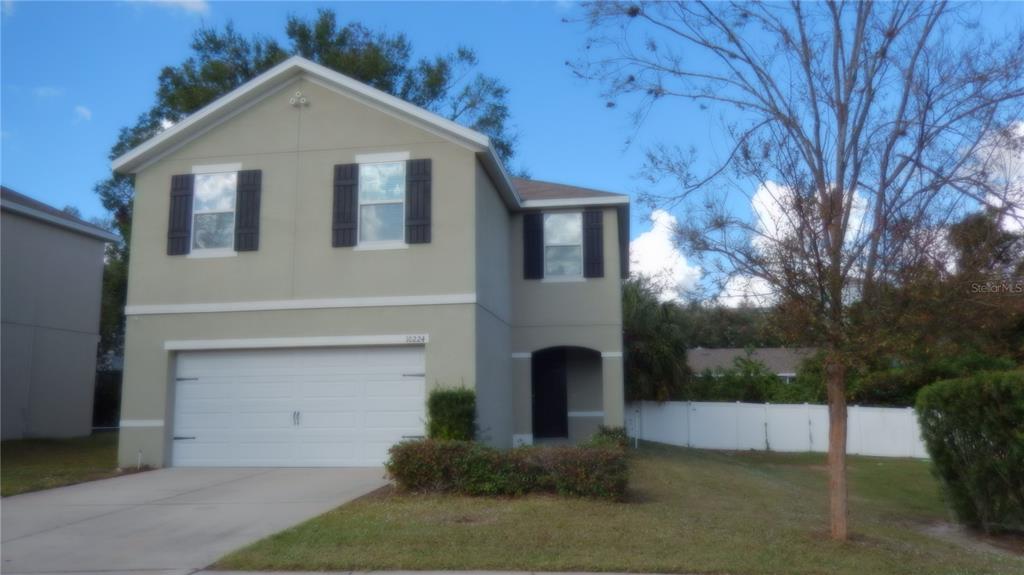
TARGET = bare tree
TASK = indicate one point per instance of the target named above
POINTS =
(856, 131)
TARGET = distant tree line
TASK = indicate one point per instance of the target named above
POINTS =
(955, 323)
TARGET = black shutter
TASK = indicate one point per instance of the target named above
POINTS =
(593, 244)
(417, 202)
(247, 211)
(179, 225)
(533, 245)
(346, 187)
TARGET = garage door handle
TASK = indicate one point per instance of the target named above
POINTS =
(413, 374)
(180, 437)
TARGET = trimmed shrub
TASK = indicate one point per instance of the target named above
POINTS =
(609, 437)
(469, 468)
(974, 429)
(451, 414)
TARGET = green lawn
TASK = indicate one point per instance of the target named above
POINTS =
(34, 464)
(689, 511)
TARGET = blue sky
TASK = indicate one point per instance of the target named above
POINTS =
(74, 73)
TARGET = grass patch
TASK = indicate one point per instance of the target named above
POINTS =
(688, 511)
(34, 464)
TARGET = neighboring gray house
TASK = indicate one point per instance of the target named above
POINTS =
(52, 277)
(782, 361)
(311, 256)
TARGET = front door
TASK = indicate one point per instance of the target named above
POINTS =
(550, 401)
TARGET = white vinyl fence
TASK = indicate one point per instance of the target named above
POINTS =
(881, 431)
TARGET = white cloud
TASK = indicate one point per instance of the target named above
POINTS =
(82, 114)
(654, 254)
(1007, 176)
(772, 203)
(165, 124)
(8, 8)
(746, 290)
(46, 91)
(773, 219)
(190, 6)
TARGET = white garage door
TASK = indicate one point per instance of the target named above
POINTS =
(296, 407)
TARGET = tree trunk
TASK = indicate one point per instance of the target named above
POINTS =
(835, 373)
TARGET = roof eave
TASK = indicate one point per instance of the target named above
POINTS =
(576, 202)
(77, 227)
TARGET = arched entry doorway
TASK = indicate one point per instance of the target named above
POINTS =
(566, 392)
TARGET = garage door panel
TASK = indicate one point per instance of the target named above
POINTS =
(394, 404)
(403, 421)
(352, 404)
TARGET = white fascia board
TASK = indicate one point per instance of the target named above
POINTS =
(283, 72)
(292, 342)
(83, 229)
(577, 202)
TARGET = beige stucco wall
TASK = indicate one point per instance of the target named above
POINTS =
(296, 149)
(52, 280)
(585, 313)
(493, 332)
(149, 367)
(475, 251)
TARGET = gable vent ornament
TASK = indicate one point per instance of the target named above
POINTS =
(298, 99)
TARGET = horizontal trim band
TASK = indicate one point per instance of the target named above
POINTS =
(279, 342)
(586, 414)
(142, 423)
(611, 354)
(292, 304)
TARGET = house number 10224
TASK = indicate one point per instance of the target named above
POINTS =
(415, 339)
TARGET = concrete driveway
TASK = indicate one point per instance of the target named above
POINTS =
(165, 521)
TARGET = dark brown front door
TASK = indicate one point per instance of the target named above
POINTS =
(550, 402)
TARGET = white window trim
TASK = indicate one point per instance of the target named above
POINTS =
(201, 253)
(382, 158)
(562, 278)
(380, 244)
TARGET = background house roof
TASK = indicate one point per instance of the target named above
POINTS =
(779, 360)
(13, 201)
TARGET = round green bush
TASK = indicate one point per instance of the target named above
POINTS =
(974, 429)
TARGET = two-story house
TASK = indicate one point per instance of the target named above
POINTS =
(310, 256)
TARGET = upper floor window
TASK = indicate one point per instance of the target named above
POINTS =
(563, 245)
(213, 211)
(382, 202)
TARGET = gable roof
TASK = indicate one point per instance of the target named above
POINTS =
(21, 204)
(778, 360)
(538, 193)
(268, 82)
(517, 192)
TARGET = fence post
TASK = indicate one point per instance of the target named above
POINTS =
(767, 444)
(810, 428)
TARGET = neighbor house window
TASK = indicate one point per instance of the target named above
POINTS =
(213, 211)
(563, 245)
(382, 202)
